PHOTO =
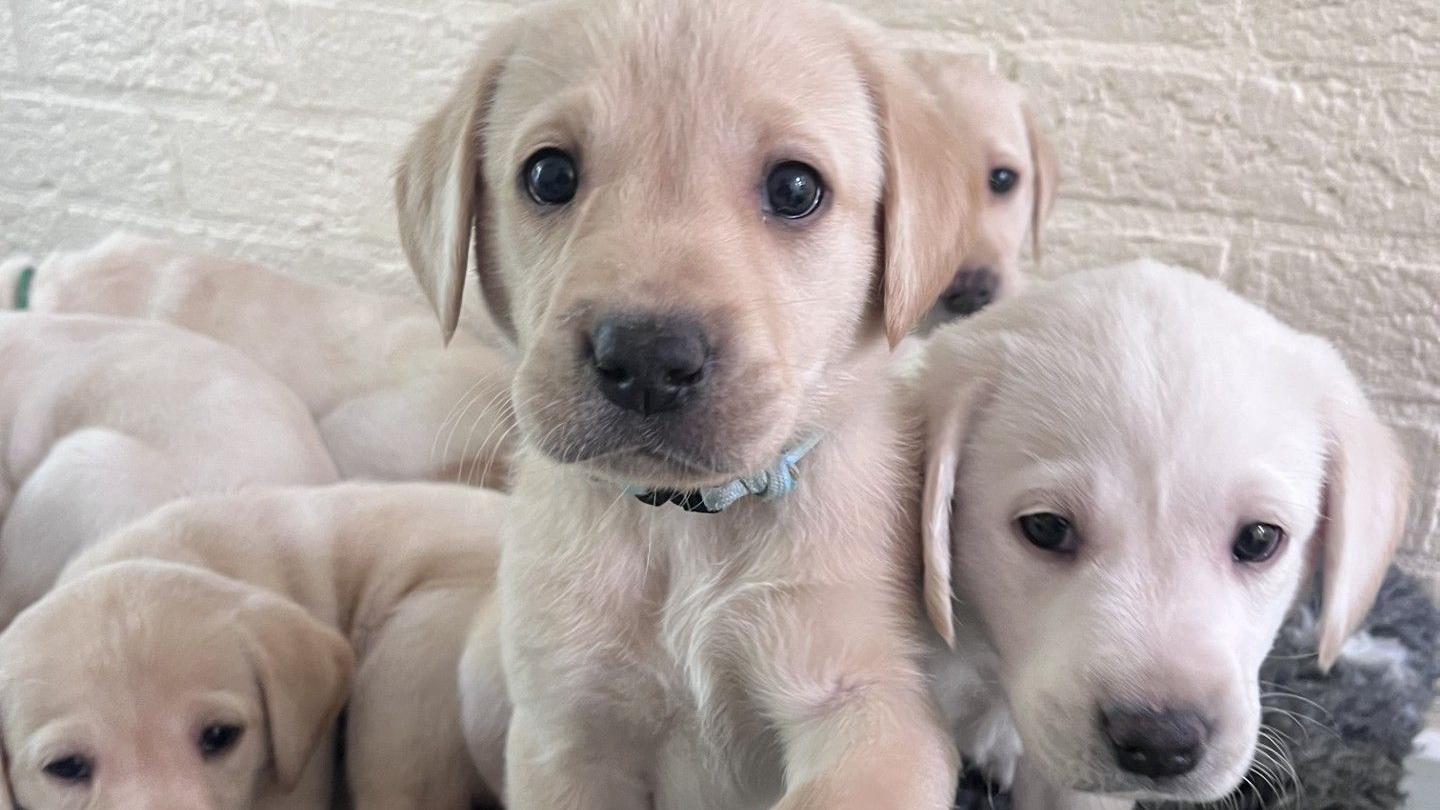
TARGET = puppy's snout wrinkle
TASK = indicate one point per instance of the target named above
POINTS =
(1158, 743)
(648, 364)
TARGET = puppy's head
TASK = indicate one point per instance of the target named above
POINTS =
(1139, 470)
(154, 685)
(1017, 187)
(690, 217)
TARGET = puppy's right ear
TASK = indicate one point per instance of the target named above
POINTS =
(947, 414)
(304, 670)
(440, 192)
(1367, 484)
(1047, 178)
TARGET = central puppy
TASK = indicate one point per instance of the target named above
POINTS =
(701, 224)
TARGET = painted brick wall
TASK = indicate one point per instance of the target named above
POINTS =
(1291, 149)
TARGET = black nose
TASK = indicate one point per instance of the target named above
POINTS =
(648, 365)
(1156, 742)
(970, 291)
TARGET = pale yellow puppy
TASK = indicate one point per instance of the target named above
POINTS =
(104, 419)
(1022, 174)
(400, 571)
(156, 686)
(391, 400)
(703, 225)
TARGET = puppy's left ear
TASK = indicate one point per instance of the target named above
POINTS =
(933, 180)
(1366, 490)
(947, 413)
(304, 670)
(1047, 177)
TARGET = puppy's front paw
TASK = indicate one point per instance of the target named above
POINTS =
(992, 745)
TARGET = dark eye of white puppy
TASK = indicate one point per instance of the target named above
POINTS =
(1003, 180)
(551, 177)
(73, 768)
(218, 738)
(1049, 531)
(793, 190)
(1257, 542)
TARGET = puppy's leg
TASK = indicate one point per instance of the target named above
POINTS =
(484, 700)
(551, 767)
(886, 748)
(405, 748)
(91, 483)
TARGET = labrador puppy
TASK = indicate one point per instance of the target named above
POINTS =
(102, 420)
(392, 402)
(701, 224)
(400, 571)
(1022, 174)
(150, 685)
(1131, 474)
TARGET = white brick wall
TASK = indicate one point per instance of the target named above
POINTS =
(1292, 149)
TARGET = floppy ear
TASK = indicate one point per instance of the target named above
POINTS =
(1047, 178)
(947, 418)
(933, 180)
(1366, 490)
(304, 671)
(440, 193)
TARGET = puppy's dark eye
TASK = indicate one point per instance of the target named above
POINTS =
(218, 738)
(551, 177)
(793, 190)
(1003, 180)
(73, 768)
(1049, 531)
(1257, 542)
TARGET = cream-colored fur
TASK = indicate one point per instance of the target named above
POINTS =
(102, 420)
(767, 655)
(391, 400)
(122, 671)
(1159, 414)
(399, 570)
(987, 110)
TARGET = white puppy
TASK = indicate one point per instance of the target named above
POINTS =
(392, 401)
(102, 420)
(1131, 474)
(1021, 177)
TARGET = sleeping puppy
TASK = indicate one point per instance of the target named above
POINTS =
(1021, 176)
(400, 571)
(102, 420)
(1131, 474)
(150, 685)
(701, 223)
(392, 402)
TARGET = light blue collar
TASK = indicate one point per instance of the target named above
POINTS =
(769, 484)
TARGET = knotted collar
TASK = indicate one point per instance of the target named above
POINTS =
(773, 482)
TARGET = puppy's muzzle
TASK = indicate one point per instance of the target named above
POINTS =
(1158, 743)
(971, 291)
(648, 364)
